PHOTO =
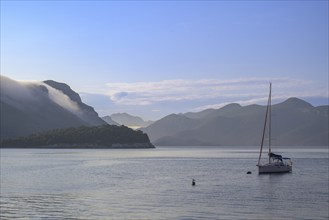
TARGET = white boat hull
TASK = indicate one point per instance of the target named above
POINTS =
(274, 168)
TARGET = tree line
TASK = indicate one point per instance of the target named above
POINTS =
(103, 135)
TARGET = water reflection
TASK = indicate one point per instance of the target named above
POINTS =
(156, 184)
(42, 206)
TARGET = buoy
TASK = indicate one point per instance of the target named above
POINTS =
(193, 182)
(249, 172)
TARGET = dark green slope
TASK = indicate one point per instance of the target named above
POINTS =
(104, 136)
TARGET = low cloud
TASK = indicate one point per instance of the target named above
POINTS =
(17, 92)
(63, 100)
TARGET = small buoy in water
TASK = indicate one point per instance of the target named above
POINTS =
(193, 182)
(249, 172)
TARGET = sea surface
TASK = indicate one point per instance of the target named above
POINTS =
(156, 184)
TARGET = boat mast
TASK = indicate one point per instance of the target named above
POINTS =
(269, 122)
(265, 123)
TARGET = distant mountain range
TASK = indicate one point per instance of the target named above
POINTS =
(127, 120)
(294, 123)
(32, 107)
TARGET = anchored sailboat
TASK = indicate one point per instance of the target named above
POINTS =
(276, 163)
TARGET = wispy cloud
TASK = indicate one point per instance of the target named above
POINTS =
(148, 93)
(159, 98)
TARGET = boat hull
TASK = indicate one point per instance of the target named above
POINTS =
(272, 168)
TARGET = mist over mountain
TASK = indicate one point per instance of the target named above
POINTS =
(127, 120)
(294, 123)
(31, 107)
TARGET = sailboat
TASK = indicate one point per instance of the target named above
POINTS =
(276, 163)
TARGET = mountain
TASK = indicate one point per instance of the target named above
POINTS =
(109, 120)
(129, 120)
(210, 113)
(294, 123)
(168, 126)
(31, 107)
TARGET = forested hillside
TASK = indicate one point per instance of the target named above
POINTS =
(104, 136)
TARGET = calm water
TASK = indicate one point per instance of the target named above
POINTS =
(156, 184)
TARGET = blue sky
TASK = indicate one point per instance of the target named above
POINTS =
(153, 58)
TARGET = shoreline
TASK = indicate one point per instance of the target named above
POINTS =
(86, 146)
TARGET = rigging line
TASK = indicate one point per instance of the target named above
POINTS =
(266, 115)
